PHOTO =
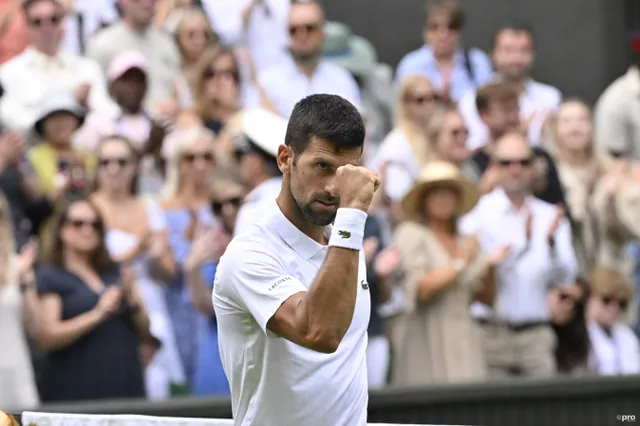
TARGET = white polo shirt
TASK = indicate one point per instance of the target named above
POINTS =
(275, 382)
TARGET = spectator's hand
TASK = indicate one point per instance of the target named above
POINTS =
(244, 55)
(370, 246)
(553, 227)
(499, 255)
(127, 283)
(12, 147)
(81, 93)
(26, 259)
(166, 112)
(387, 262)
(489, 179)
(469, 249)
(528, 225)
(204, 249)
(157, 244)
(110, 301)
(246, 13)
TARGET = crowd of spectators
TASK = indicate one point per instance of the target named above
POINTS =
(139, 136)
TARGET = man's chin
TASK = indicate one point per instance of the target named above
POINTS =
(319, 218)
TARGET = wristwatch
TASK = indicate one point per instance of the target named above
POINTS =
(458, 265)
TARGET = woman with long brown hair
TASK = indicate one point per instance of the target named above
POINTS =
(92, 315)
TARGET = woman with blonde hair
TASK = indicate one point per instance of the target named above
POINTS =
(18, 311)
(436, 340)
(406, 150)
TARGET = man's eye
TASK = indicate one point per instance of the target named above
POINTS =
(323, 166)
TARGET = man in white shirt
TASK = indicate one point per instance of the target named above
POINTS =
(44, 67)
(256, 150)
(517, 337)
(306, 73)
(291, 295)
(513, 54)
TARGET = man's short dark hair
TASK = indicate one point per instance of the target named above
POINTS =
(328, 117)
(517, 26)
(500, 93)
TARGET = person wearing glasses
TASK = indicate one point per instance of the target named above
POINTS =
(614, 346)
(498, 108)
(517, 336)
(92, 315)
(44, 66)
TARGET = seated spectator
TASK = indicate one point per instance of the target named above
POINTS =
(187, 209)
(58, 166)
(83, 19)
(135, 31)
(13, 30)
(497, 105)
(454, 70)
(306, 73)
(513, 53)
(568, 319)
(615, 348)
(29, 206)
(128, 84)
(516, 336)
(43, 67)
(406, 148)
(227, 199)
(443, 274)
(580, 166)
(616, 123)
(194, 36)
(136, 235)
(93, 318)
(19, 312)
(447, 135)
(256, 149)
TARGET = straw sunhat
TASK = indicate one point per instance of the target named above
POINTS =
(437, 175)
(627, 205)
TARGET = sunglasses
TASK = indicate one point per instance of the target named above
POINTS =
(79, 224)
(506, 162)
(229, 74)
(566, 297)
(609, 300)
(435, 26)
(217, 206)
(121, 162)
(421, 99)
(191, 34)
(456, 133)
(192, 157)
(38, 22)
(306, 28)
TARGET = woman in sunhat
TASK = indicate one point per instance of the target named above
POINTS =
(437, 340)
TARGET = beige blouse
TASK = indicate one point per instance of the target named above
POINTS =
(438, 341)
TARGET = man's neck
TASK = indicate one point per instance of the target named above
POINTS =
(517, 199)
(307, 66)
(51, 52)
(136, 27)
(194, 194)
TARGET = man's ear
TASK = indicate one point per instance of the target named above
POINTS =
(284, 158)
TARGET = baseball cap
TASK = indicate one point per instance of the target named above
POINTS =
(126, 61)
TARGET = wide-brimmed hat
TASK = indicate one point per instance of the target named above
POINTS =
(354, 53)
(437, 175)
(262, 129)
(627, 206)
(55, 102)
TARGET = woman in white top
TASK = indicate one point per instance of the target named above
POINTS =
(137, 236)
(614, 346)
(18, 313)
(406, 149)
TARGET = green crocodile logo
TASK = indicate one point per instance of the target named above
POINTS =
(344, 234)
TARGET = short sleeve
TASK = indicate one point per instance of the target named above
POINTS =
(256, 280)
(48, 281)
(157, 219)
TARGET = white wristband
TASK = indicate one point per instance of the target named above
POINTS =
(348, 229)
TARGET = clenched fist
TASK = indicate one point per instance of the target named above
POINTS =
(355, 186)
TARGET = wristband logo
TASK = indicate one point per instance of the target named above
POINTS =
(344, 234)
(364, 285)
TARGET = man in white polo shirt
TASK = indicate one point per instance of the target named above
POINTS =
(291, 295)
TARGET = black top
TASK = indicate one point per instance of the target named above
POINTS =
(376, 323)
(551, 193)
(102, 364)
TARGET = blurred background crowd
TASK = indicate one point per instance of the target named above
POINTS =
(138, 136)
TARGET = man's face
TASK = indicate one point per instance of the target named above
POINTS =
(44, 20)
(306, 30)
(129, 89)
(513, 54)
(140, 12)
(502, 117)
(514, 160)
(311, 177)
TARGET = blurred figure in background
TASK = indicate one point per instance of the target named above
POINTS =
(19, 313)
(443, 274)
(569, 322)
(447, 134)
(453, 69)
(137, 237)
(615, 348)
(13, 30)
(93, 318)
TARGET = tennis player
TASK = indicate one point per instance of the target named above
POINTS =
(291, 294)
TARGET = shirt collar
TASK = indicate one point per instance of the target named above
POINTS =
(505, 205)
(39, 59)
(458, 56)
(294, 237)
